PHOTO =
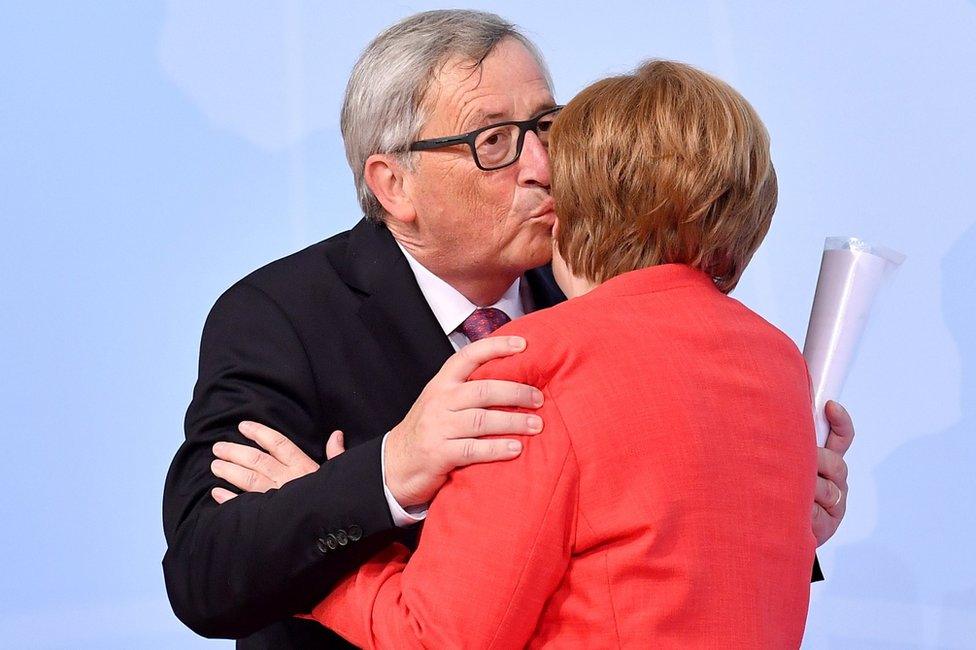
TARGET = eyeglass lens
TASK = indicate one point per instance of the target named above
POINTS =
(500, 146)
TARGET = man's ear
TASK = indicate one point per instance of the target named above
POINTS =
(385, 176)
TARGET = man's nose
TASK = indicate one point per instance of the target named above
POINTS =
(534, 162)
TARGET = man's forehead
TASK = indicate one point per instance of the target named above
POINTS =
(488, 92)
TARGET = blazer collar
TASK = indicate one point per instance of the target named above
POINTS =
(545, 291)
(394, 309)
(369, 253)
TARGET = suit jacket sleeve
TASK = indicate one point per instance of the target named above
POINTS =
(235, 568)
(495, 546)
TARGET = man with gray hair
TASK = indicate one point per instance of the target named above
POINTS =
(374, 332)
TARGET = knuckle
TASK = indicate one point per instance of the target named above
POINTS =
(837, 467)
(828, 462)
(279, 441)
(823, 490)
(483, 391)
(479, 421)
(469, 450)
(448, 396)
(293, 458)
(829, 497)
(443, 397)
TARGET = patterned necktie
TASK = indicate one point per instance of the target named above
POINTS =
(483, 322)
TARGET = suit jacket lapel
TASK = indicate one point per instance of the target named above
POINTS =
(394, 309)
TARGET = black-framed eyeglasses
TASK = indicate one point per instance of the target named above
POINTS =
(496, 145)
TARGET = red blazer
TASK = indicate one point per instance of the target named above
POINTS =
(665, 504)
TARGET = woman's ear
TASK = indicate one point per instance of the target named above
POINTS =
(555, 234)
(385, 177)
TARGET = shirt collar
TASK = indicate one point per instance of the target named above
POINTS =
(450, 307)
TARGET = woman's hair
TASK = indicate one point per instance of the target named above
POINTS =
(664, 165)
(384, 107)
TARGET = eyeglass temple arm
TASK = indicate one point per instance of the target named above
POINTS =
(435, 143)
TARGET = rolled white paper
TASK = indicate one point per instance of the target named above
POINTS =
(851, 273)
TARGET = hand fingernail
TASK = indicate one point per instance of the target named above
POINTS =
(218, 447)
(537, 398)
(515, 445)
(245, 425)
(535, 423)
(516, 342)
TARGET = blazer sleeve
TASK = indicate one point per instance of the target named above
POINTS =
(233, 569)
(495, 546)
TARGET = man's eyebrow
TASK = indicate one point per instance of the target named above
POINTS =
(545, 106)
(480, 118)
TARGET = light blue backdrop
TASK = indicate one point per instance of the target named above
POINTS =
(153, 153)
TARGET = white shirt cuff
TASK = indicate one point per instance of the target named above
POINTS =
(402, 517)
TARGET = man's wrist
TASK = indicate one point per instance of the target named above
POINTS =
(402, 517)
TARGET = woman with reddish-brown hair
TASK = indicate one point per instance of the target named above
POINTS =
(629, 521)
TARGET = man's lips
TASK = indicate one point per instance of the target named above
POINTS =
(544, 209)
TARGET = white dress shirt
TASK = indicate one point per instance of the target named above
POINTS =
(450, 309)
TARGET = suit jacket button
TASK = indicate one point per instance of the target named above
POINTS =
(341, 537)
(355, 533)
(322, 546)
(331, 542)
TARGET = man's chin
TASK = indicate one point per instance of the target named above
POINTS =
(539, 251)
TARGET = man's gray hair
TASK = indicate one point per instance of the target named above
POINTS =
(383, 110)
